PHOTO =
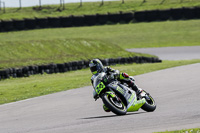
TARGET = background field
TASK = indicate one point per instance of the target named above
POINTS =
(81, 43)
(154, 34)
(194, 130)
(37, 52)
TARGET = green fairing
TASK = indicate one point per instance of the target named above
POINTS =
(131, 98)
(111, 94)
(100, 87)
(136, 105)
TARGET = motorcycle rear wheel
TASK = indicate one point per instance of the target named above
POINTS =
(115, 105)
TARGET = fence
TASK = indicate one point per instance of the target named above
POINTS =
(2, 7)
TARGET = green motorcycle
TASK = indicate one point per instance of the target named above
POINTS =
(119, 98)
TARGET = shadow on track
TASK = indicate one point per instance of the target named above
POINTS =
(99, 117)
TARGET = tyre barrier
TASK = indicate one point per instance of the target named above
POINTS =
(1, 27)
(126, 17)
(66, 21)
(78, 21)
(164, 14)
(114, 17)
(101, 19)
(90, 20)
(7, 25)
(69, 66)
(53, 22)
(30, 23)
(176, 14)
(42, 22)
(19, 24)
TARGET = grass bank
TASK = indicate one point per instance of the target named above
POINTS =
(93, 8)
(24, 53)
(12, 90)
(77, 43)
(193, 130)
(138, 35)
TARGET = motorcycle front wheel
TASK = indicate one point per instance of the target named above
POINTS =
(114, 104)
(150, 104)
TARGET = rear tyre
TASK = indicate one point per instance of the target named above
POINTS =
(150, 104)
(114, 104)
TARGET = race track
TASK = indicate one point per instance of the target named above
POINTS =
(171, 53)
(176, 91)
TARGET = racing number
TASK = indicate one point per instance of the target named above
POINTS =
(100, 87)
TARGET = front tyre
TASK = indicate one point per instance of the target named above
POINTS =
(114, 104)
(150, 104)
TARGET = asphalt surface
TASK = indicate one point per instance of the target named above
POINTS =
(176, 91)
(171, 53)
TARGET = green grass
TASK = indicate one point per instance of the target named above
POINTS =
(93, 8)
(194, 130)
(154, 34)
(24, 53)
(77, 43)
(12, 90)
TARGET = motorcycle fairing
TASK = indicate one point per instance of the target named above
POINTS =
(132, 103)
(137, 104)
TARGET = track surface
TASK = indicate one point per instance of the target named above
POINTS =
(175, 90)
(172, 53)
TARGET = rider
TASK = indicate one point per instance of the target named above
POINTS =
(96, 67)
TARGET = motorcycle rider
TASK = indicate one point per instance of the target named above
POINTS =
(96, 67)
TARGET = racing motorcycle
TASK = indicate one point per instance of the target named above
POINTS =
(119, 98)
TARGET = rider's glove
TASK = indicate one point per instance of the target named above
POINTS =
(96, 97)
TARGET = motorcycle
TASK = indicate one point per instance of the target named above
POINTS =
(119, 98)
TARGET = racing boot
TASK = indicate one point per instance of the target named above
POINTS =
(134, 87)
(130, 81)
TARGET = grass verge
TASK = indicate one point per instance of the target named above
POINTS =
(154, 34)
(93, 8)
(66, 44)
(194, 130)
(24, 53)
(12, 90)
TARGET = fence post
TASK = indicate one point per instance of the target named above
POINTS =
(102, 2)
(4, 7)
(40, 4)
(60, 3)
(63, 4)
(20, 4)
(80, 3)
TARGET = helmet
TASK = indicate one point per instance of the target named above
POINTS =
(96, 66)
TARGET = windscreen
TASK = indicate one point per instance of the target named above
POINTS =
(98, 79)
